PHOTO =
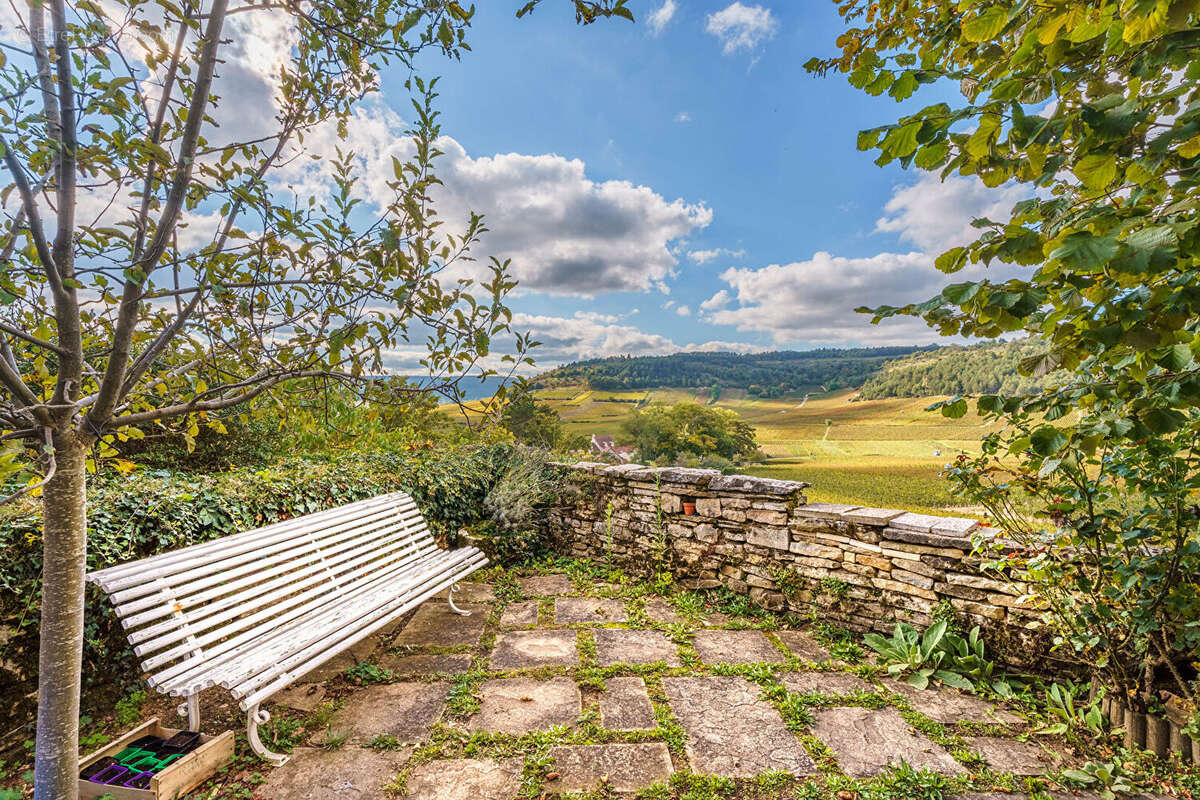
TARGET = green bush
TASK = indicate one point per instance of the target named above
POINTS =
(156, 510)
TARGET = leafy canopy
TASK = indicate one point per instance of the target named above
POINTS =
(1093, 106)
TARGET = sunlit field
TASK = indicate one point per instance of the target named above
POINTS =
(879, 452)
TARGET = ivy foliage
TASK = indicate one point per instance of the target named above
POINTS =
(158, 510)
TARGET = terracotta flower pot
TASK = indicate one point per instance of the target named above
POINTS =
(689, 509)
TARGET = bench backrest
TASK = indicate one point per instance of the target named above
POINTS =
(187, 606)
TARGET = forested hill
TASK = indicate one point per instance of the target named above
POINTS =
(979, 369)
(764, 374)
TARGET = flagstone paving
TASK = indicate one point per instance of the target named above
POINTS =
(572, 610)
(950, 706)
(623, 768)
(865, 741)
(736, 647)
(733, 731)
(505, 674)
(662, 612)
(405, 711)
(803, 646)
(621, 646)
(546, 585)
(426, 664)
(352, 773)
(436, 625)
(1009, 755)
(517, 614)
(518, 705)
(625, 705)
(466, 779)
(834, 684)
(538, 648)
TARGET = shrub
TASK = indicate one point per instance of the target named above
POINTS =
(521, 491)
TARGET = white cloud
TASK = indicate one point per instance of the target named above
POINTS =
(565, 233)
(659, 18)
(717, 301)
(573, 338)
(705, 256)
(683, 116)
(684, 311)
(741, 27)
(814, 300)
(936, 215)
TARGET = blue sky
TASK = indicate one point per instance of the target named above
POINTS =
(780, 226)
(676, 183)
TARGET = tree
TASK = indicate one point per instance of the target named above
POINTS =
(1092, 106)
(530, 423)
(156, 270)
(662, 432)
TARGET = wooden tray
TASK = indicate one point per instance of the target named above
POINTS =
(176, 780)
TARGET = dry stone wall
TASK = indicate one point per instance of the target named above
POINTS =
(858, 567)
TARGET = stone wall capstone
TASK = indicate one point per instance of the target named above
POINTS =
(857, 567)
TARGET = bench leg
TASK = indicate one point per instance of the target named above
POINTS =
(191, 710)
(254, 718)
(454, 608)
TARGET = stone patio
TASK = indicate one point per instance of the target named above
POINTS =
(531, 676)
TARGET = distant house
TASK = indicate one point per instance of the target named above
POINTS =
(607, 445)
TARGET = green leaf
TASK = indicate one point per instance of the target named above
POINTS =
(951, 261)
(985, 26)
(1085, 250)
(1096, 171)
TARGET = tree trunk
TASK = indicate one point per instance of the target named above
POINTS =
(60, 657)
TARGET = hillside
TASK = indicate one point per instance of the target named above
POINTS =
(760, 374)
(988, 368)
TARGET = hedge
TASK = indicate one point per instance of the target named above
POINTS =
(156, 511)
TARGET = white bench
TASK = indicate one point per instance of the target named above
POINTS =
(255, 611)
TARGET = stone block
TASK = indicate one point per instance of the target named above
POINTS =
(980, 582)
(519, 705)
(833, 511)
(623, 769)
(466, 779)
(352, 773)
(903, 588)
(912, 578)
(766, 516)
(815, 550)
(872, 516)
(866, 741)
(748, 484)
(925, 537)
(772, 601)
(735, 647)
(979, 609)
(531, 649)
(625, 705)
(776, 538)
(708, 506)
(745, 743)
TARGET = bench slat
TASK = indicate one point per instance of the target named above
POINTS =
(302, 606)
(213, 601)
(283, 600)
(197, 593)
(122, 576)
(243, 552)
(260, 649)
(315, 658)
